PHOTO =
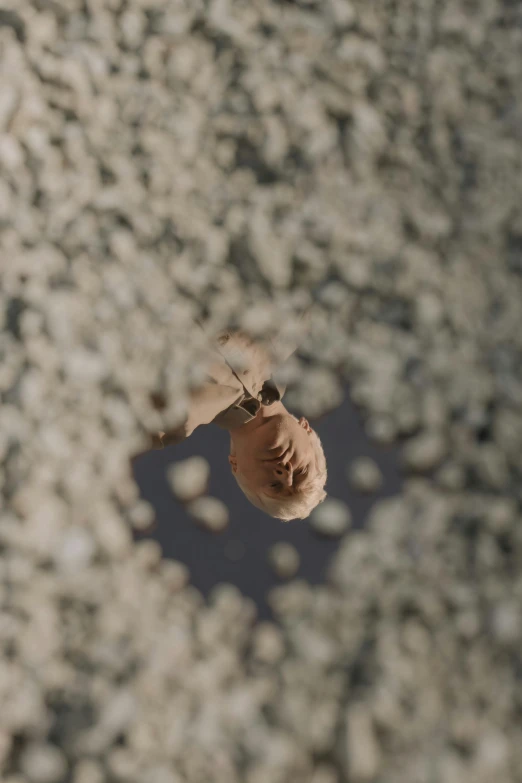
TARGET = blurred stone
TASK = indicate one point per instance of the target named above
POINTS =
(452, 476)
(210, 512)
(284, 559)
(507, 622)
(189, 478)
(175, 575)
(424, 452)
(501, 513)
(141, 515)
(43, 763)
(88, 771)
(363, 758)
(5, 746)
(168, 161)
(161, 774)
(364, 475)
(332, 517)
(381, 429)
(267, 643)
(148, 553)
(76, 549)
(324, 773)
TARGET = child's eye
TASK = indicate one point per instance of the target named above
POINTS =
(275, 486)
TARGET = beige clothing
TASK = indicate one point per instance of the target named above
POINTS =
(238, 381)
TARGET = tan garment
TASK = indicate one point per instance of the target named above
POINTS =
(238, 381)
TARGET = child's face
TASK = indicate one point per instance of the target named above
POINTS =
(276, 456)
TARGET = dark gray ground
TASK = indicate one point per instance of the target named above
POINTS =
(344, 439)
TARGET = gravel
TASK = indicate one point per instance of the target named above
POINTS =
(166, 160)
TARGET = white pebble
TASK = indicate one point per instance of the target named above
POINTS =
(284, 559)
(362, 749)
(331, 518)
(161, 774)
(76, 549)
(210, 512)
(324, 773)
(148, 553)
(364, 475)
(424, 452)
(88, 771)
(43, 763)
(267, 643)
(175, 574)
(189, 478)
(507, 622)
(141, 515)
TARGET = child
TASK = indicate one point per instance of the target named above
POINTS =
(277, 460)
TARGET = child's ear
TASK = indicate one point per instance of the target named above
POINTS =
(233, 463)
(305, 424)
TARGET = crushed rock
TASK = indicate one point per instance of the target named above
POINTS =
(162, 161)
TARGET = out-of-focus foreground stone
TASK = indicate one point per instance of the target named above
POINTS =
(162, 160)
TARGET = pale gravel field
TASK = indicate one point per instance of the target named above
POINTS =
(162, 160)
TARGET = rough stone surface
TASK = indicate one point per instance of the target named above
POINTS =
(239, 161)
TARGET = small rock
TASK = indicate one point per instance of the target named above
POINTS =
(161, 774)
(267, 643)
(175, 574)
(342, 11)
(141, 515)
(492, 467)
(424, 452)
(148, 553)
(507, 622)
(364, 475)
(43, 763)
(88, 771)
(5, 746)
(381, 428)
(118, 711)
(189, 478)
(331, 518)
(451, 476)
(284, 559)
(500, 514)
(493, 753)
(210, 512)
(76, 549)
(362, 750)
(121, 763)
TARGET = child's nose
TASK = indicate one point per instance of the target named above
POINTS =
(284, 473)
